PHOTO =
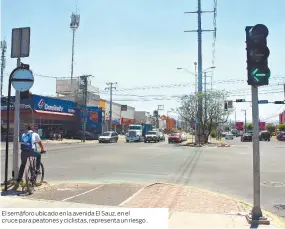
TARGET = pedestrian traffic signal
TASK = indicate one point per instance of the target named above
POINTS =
(257, 51)
(240, 100)
(226, 106)
(279, 102)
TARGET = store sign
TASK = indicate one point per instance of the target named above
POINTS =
(42, 105)
(53, 105)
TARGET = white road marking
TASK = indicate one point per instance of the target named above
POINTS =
(83, 193)
(132, 196)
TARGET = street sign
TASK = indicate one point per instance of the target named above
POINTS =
(124, 107)
(279, 102)
(262, 101)
(20, 42)
(22, 79)
(230, 104)
(240, 100)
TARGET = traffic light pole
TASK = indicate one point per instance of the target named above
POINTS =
(256, 216)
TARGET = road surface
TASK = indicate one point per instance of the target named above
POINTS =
(223, 170)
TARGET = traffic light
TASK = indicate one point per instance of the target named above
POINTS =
(240, 100)
(279, 102)
(155, 113)
(257, 51)
(226, 106)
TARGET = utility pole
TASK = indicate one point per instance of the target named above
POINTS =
(3, 62)
(84, 87)
(111, 87)
(200, 87)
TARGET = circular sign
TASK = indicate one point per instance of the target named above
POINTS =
(22, 80)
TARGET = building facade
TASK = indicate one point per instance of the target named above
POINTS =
(142, 117)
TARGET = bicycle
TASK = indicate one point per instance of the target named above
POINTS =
(31, 175)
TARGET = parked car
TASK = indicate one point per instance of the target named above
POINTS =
(229, 136)
(224, 134)
(152, 136)
(184, 136)
(109, 136)
(88, 135)
(264, 135)
(174, 137)
(246, 137)
(161, 136)
(281, 136)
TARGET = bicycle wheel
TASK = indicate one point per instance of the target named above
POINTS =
(29, 174)
(40, 177)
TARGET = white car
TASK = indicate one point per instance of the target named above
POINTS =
(229, 136)
(184, 136)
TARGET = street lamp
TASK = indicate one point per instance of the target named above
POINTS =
(195, 74)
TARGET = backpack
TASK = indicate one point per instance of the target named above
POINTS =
(26, 144)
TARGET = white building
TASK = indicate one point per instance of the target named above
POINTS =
(142, 116)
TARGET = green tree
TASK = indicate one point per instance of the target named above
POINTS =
(270, 128)
(281, 127)
(213, 133)
(213, 112)
(249, 126)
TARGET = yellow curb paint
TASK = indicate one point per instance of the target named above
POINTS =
(277, 219)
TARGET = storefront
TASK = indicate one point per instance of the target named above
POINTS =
(49, 115)
(55, 115)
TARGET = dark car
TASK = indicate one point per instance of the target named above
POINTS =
(88, 135)
(264, 136)
(174, 137)
(109, 136)
(152, 136)
(281, 136)
(246, 137)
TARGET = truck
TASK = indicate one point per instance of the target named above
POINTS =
(137, 132)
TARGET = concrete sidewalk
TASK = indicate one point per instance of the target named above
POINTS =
(189, 207)
(177, 219)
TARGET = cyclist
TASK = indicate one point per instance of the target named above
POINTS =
(34, 138)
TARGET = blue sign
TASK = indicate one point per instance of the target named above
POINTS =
(263, 101)
(53, 105)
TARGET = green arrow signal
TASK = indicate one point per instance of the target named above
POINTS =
(257, 74)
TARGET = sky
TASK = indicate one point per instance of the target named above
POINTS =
(139, 43)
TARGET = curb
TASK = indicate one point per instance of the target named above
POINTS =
(274, 217)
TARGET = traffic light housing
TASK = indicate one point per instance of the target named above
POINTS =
(226, 106)
(258, 72)
(279, 102)
(240, 100)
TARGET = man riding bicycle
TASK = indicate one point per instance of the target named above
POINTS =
(30, 152)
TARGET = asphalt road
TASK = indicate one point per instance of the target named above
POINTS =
(224, 170)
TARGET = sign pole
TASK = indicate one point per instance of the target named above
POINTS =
(16, 131)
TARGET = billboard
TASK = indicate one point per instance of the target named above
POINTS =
(239, 126)
(262, 125)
